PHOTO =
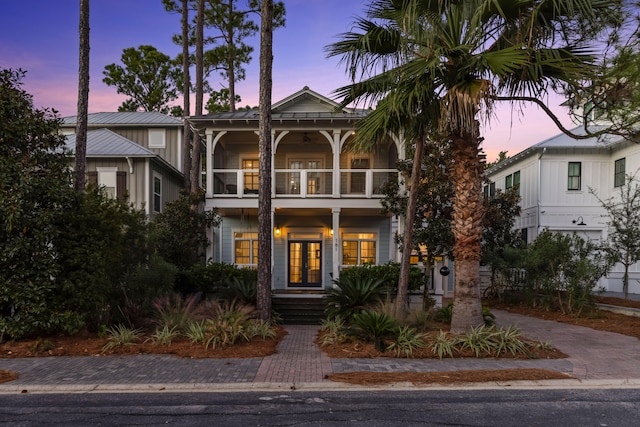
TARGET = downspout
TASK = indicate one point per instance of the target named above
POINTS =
(130, 162)
(538, 213)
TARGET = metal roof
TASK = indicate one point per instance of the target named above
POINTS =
(145, 118)
(105, 143)
(253, 115)
(563, 141)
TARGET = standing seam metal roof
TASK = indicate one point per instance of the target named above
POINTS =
(145, 118)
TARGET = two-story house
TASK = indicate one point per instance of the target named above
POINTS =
(326, 210)
(133, 155)
(555, 179)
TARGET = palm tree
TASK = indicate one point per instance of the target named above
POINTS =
(442, 65)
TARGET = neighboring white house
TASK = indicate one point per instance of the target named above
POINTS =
(325, 199)
(133, 155)
(554, 178)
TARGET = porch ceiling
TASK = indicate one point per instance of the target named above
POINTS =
(310, 212)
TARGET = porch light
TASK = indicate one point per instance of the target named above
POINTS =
(331, 232)
(579, 221)
(276, 231)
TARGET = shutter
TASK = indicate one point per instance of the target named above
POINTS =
(92, 179)
(121, 185)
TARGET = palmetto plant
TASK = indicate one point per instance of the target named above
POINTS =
(375, 327)
(352, 295)
(435, 69)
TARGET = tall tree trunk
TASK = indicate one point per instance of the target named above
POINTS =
(186, 106)
(197, 141)
(232, 59)
(402, 300)
(83, 100)
(467, 230)
(264, 196)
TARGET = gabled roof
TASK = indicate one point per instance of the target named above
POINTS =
(301, 101)
(562, 142)
(141, 118)
(302, 105)
(104, 143)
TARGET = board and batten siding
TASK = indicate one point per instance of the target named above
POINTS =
(140, 135)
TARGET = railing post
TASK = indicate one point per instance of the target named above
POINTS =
(368, 188)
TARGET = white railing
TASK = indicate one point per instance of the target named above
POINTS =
(303, 183)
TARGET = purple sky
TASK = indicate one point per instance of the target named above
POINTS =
(41, 37)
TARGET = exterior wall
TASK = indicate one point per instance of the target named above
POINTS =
(140, 135)
(171, 185)
(548, 204)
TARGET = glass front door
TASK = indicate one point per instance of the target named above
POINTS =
(305, 264)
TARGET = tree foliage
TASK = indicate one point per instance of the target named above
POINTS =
(448, 63)
(623, 213)
(228, 26)
(178, 234)
(147, 76)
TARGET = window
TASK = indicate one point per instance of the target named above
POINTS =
(358, 248)
(157, 138)
(575, 172)
(512, 180)
(490, 190)
(107, 180)
(251, 179)
(619, 173)
(246, 248)
(157, 194)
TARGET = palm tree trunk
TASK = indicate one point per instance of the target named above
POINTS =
(83, 100)
(264, 195)
(467, 231)
(402, 300)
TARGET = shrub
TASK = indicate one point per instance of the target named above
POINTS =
(444, 344)
(352, 295)
(212, 278)
(120, 335)
(374, 327)
(406, 341)
(389, 274)
(244, 291)
(164, 335)
(176, 312)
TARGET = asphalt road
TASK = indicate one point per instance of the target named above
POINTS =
(584, 407)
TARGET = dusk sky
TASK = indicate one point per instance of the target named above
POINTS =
(41, 37)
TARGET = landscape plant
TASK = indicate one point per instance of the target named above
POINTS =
(353, 294)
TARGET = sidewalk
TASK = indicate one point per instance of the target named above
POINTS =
(596, 358)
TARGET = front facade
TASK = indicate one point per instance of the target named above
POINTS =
(326, 210)
(556, 179)
(133, 155)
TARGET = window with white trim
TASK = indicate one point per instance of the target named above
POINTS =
(246, 248)
(359, 248)
(574, 176)
(107, 180)
(157, 194)
(157, 138)
(619, 172)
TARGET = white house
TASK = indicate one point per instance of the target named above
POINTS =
(555, 178)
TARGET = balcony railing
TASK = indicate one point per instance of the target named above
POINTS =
(303, 183)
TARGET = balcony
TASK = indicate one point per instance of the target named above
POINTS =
(301, 183)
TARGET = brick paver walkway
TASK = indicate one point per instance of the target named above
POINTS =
(297, 359)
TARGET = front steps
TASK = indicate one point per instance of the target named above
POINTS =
(299, 310)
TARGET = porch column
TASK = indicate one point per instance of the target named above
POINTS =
(335, 224)
(209, 183)
(336, 167)
(273, 267)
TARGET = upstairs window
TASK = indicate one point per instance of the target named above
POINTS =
(157, 138)
(512, 180)
(157, 194)
(619, 173)
(574, 176)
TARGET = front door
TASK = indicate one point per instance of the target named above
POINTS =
(305, 262)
